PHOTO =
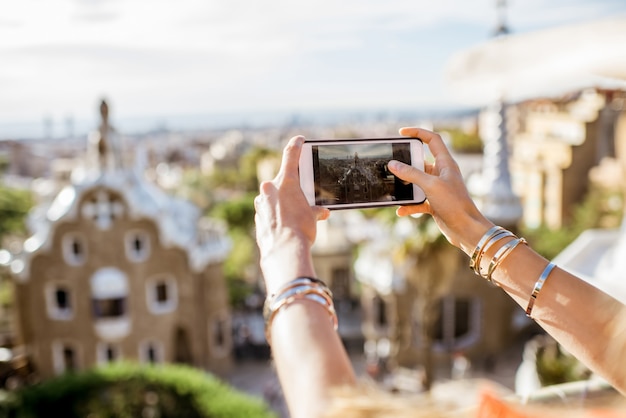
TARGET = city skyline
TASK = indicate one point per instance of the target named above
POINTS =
(280, 57)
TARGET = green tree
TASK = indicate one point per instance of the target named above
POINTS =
(242, 176)
(228, 194)
(556, 365)
(601, 208)
(14, 206)
(4, 164)
(430, 263)
(462, 141)
(240, 265)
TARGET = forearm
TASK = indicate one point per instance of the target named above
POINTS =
(587, 322)
(582, 318)
(579, 316)
(309, 356)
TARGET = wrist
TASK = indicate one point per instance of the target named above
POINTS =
(284, 263)
(474, 229)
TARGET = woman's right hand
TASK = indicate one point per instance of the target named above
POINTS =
(286, 223)
(447, 198)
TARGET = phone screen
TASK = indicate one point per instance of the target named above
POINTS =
(355, 173)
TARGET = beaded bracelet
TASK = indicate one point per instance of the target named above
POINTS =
(538, 286)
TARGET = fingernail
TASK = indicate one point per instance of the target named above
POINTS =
(394, 164)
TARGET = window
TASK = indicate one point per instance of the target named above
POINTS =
(458, 324)
(340, 283)
(220, 337)
(137, 244)
(151, 352)
(108, 353)
(380, 312)
(65, 357)
(162, 294)
(220, 341)
(109, 308)
(109, 298)
(59, 301)
(74, 249)
(103, 208)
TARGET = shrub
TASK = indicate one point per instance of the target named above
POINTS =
(601, 208)
(464, 142)
(555, 365)
(132, 390)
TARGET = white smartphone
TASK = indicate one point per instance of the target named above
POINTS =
(353, 173)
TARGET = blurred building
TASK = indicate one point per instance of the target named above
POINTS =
(598, 255)
(333, 258)
(565, 90)
(118, 270)
(557, 143)
(429, 307)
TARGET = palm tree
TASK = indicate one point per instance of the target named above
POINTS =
(429, 263)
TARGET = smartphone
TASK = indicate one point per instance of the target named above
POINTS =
(353, 173)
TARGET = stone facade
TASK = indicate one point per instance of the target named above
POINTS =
(118, 270)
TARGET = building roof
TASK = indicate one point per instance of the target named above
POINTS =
(545, 63)
(597, 257)
(179, 222)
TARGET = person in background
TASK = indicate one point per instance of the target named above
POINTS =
(310, 359)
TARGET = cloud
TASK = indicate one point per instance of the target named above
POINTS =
(159, 54)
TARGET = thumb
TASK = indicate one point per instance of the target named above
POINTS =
(321, 213)
(407, 173)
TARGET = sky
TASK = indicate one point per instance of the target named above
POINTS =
(162, 58)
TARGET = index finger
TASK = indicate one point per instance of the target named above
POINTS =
(291, 157)
(433, 140)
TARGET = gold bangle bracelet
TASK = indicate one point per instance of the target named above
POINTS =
(300, 281)
(479, 247)
(538, 286)
(502, 253)
(288, 298)
(490, 243)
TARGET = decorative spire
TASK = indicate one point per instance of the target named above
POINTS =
(103, 130)
(494, 192)
(501, 27)
(104, 145)
(492, 189)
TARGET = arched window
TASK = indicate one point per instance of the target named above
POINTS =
(151, 352)
(162, 294)
(458, 325)
(66, 357)
(219, 335)
(74, 247)
(340, 283)
(109, 295)
(380, 312)
(137, 245)
(59, 301)
(108, 353)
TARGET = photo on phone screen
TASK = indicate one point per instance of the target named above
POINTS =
(355, 173)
